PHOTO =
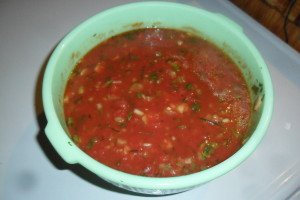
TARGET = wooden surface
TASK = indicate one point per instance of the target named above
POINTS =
(272, 13)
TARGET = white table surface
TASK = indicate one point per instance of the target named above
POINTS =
(30, 168)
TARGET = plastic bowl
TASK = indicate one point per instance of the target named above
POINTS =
(215, 27)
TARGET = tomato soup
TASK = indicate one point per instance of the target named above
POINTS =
(157, 102)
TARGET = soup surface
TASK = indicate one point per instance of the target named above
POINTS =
(157, 102)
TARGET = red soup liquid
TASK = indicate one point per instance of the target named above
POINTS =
(157, 102)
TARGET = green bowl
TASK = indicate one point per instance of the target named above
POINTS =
(214, 27)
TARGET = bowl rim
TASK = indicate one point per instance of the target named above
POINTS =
(158, 183)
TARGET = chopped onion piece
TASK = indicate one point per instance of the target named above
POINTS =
(145, 119)
(117, 82)
(121, 141)
(257, 103)
(147, 144)
(225, 120)
(99, 106)
(181, 108)
(119, 119)
(138, 112)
